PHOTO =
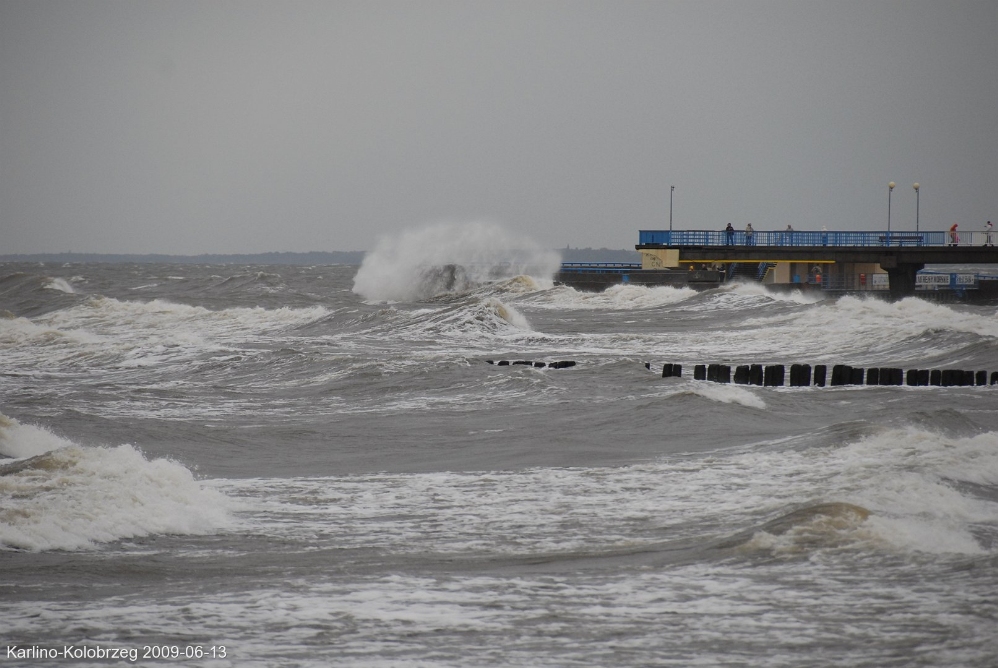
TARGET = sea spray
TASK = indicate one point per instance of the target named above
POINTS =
(71, 497)
(25, 440)
(59, 284)
(448, 257)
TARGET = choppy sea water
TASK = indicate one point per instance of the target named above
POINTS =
(263, 459)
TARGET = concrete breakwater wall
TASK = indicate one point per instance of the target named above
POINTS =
(804, 375)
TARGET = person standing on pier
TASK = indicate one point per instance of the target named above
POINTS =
(954, 238)
(748, 234)
(988, 239)
(730, 231)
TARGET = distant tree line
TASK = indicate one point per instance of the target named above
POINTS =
(310, 258)
(314, 257)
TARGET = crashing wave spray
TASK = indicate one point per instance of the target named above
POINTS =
(58, 495)
(448, 257)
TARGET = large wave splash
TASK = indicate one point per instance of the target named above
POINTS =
(448, 257)
(57, 495)
(907, 488)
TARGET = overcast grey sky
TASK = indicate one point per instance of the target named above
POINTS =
(212, 126)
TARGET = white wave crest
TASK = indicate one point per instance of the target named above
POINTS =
(518, 285)
(70, 497)
(917, 504)
(898, 491)
(862, 328)
(752, 289)
(17, 440)
(106, 316)
(422, 263)
(910, 480)
(488, 317)
(728, 394)
(621, 297)
(508, 314)
(59, 284)
(908, 317)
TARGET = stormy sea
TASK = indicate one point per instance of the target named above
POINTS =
(235, 465)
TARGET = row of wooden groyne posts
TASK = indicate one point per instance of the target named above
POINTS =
(802, 375)
(563, 364)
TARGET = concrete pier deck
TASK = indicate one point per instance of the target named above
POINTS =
(900, 254)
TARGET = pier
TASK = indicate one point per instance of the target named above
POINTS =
(846, 257)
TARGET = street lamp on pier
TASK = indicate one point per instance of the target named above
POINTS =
(916, 207)
(890, 189)
(672, 189)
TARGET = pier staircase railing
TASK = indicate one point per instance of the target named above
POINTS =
(764, 270)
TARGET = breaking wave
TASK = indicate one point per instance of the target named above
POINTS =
(464, 322)
(752, 289)
(57, 495)
(60, 284)
(446, 258)
(861, 329)
(727, 394)
(617, 297)
(906, 489)
(825, 525)
(896, 491)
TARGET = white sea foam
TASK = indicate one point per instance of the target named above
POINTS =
(419, 264)
(628, 296)
(517, 285)
(727, 394)
(460, 325)
(508, 314)
(759, 290)
(863, 328)
(119, 316)
(849, 330)
(25, 440)
(616, 297)
(907, 478)
(489, 315)
(896, 491)
(66, 497)
(59, 284)
(905, 318)
(128, 331)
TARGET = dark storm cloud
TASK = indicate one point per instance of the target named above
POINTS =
(186, 127)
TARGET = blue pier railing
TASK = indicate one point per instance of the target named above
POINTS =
(782, 238)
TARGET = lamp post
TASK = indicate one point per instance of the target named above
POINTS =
(672, 189)
(890, 189)
(916, 206)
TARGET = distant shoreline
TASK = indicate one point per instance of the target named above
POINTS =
(335, 257)
(310, 258)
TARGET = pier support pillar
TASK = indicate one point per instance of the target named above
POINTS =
(901, 276)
